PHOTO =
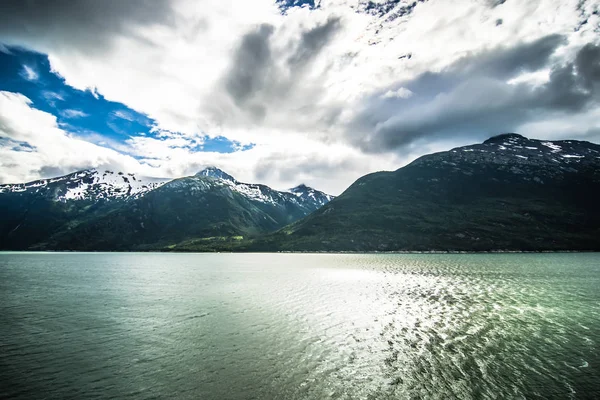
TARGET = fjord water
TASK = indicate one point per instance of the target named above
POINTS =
(299, 326)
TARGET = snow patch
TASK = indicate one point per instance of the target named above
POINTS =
(571, 156)
(554, 147)
(249, 190)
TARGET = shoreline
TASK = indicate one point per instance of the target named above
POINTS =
(312, 252)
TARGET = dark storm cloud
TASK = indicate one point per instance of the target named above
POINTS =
(312, 42)
(588, 65)
(251, 64)
(82, 24)
(257, 82)
(472, 97)
(507, 62)
(496, 3)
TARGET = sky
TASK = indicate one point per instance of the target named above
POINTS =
(284, 92)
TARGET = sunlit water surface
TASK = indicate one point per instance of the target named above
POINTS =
(299, 326)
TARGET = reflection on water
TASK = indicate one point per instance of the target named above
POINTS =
(299, 326)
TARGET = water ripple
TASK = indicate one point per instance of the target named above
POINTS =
(299, 326)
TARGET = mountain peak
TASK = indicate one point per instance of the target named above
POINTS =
(216, 173)
(300, 188)
(505, 136)
(306, 193)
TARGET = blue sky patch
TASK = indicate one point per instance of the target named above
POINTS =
(219, 143)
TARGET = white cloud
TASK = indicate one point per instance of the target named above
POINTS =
(49, 95)
(124, 115)
(280, 164)
(535, 78)
(50, 150)
(171, 70)
(29, 73)
(400, 93)
(52, 97)
(32, 145)
(72, 113)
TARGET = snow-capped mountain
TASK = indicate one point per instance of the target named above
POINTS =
(214, 172)
(91, 184)
(308, 194)
(520, 157)
(107, 210)
(303, 195)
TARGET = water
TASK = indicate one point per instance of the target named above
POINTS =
(291, 326)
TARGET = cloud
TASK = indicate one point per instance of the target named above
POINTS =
(496, 3)
(400, 93)
(71, 113)
(83, 25)
(50, 96)
(32, 145)
(477, 96)
(312, 41)
(267, 78)
(124, 115)
(29, 73)
(250, 65)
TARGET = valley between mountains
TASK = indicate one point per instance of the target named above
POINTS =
(507, 193)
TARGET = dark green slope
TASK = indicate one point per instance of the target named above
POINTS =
(187, 209)
(509, 193)
(30, 213)
(27, 220)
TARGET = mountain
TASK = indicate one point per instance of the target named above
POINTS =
(216, 173)
(89, 184)
(31, 212)
(507, 193)
(312, 196)
(93, 210)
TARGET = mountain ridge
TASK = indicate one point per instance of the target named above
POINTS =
(89, 184)
(91, 210)
(507, 193)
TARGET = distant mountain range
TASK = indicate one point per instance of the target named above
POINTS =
(507, 193)
(105, 210)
